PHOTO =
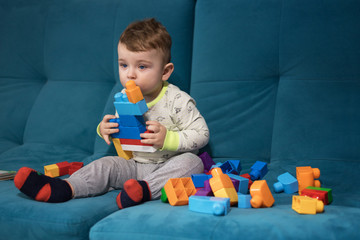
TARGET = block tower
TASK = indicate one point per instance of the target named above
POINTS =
(130, 107)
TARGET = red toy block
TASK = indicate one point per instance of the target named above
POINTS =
(74, 166)
(320, 195)
(63, 168)
(246, 175)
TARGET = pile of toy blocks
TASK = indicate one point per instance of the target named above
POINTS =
(222, 186)
(130, 108)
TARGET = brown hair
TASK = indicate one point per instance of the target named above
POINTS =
(146, 35)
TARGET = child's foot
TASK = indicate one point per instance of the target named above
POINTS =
(42, 188)
(134, 193)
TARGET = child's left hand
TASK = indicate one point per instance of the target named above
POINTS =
(157, 135)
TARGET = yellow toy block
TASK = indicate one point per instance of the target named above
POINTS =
(178, 190)
(121, 153)
(133, 92)
(261, 195)
(222, 186)
(307, 205)
(52, 170)
(306, 176)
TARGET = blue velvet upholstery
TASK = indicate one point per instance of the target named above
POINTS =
(277, 81)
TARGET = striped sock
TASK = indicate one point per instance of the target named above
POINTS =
(42, 188)
(134, 193)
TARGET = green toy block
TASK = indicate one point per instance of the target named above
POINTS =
(163, 196)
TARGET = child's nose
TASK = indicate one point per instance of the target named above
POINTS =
(131, 74)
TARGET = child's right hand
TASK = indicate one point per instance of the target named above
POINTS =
(107, 128)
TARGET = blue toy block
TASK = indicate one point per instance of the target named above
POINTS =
(131, 120)
(128, 132)
(287, 183)
(244, 200)
(211, 205)
(206, 190)
(243, 183)
(199, 179)
(237, 166)
(258, 170)
(216, 165)
(230, 167)
(124, 107)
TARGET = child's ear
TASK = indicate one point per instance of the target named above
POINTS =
(168, 70)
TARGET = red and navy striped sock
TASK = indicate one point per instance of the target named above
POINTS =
(42, 188)
(134, 193)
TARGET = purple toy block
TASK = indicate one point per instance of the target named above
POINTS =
(206, 190)
(207, 161)
(236, 184)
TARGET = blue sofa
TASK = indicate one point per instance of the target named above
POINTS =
(277, 81)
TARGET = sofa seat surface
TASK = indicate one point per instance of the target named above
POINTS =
(21, 216)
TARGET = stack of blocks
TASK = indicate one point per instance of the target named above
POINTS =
(215, 191)
(130, 107)
(62, 168)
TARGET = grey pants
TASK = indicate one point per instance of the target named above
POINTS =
(109, 173)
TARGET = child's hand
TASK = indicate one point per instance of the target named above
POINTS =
(157, 135)
(107, 128)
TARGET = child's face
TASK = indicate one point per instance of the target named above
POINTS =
(145, 68)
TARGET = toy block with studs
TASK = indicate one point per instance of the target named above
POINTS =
(231, 166)
(247, 176)
(178, 190)
(199, 179)
(286, 183)
(258, 170)
(207, 161)
(222, 186)
(320, 195)
(164, 198)
(307, 205)
(121, 153)
(133, 92)
(306, 177)
(261, 195)
(62, 168)
(206, 190)
(211, 205)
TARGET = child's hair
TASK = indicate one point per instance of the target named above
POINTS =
(146, 35)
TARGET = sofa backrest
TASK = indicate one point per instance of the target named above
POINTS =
(279, 80)
(58, 72)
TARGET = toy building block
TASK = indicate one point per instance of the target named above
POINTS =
(133, 92)
(51, 170)
(128, 132)
(247, 176)
(287, 183)
(124, 107)
(74, 166)
(319, 195)
(178, 190)
(222, 186)
(243, 183)
(207, 161)
(131, 121)
(211, 205)
(244, 200)
(231, 166)
(258, 170)
(164, 198)
(199, 179)
(121, 153)
(307, 205)
(328, 190)
(138, 148)
(206, 190)
(133, 141)
(261, 195)
(306, 177)
(236, 184)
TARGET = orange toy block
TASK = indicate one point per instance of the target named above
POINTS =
(133, 92)
(306, 176)
(222, 186)
(307, 205)
(178, 190)
(261, 195)
(121, 153)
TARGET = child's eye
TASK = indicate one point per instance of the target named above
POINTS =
(142, 67)
(123, 65)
